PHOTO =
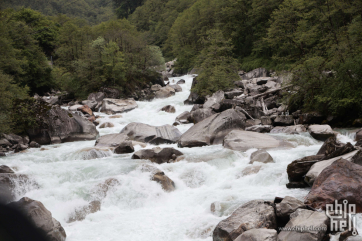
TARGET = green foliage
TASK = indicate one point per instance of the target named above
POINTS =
(218, 68)
(124, 8)
(9, 91)
(93, 11)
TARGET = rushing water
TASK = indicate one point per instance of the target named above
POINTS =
(138, 208)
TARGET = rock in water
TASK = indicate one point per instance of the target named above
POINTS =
(158, 155)
(260, 128)
(115, 106)
(165, 92)
(81, 213)
(119, 143)
(12, 184)
(251, 215)
(41, 218)
(63, 126)
(214, 101)
(239, 140)
(213, 129)
(321, 132)
(201, 114)
(318, 167)
(152, 134)
(183, 118)
(158, 176)
(306, 218)
(106, 125)
(289, 129)
(181, 81)
(261, 156)
(258, 234)
(169, 109)
(359, 135)
(176, 87)
(298, 168)
(5, 169)
(340, 181)
(287, 206)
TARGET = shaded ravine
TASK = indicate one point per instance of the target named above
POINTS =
(138, 208)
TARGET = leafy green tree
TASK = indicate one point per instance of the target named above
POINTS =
(218, 68)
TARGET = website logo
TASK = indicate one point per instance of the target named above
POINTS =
(342, 216)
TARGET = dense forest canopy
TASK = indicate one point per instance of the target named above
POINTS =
(79, 46)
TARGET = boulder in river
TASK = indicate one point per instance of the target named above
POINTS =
(159, 176)
(284, 120)
(250, 170)
(12, 184)
(5, 169)
(213, 129)
(90, 103)
(80, 213)
(321, 132)
(299, 168)
(201, 114)
(152, 134)
(157, 154)
(85, 110)
(165, 92)
(118, 105)
(214, 101)
(106, 125)
(286, 207)
(41, 218)
(239, 140)
(168, 109)
(261, 156)
(183, 118)
(176, 87)
(258, 234)
(260, 128)
(318, 167)
(359, 135)
(251, 215)
(61, 126)
(181, 81)
(119, 143)
(305, 218)
(333, 148)
(342, 180)
(289, 129)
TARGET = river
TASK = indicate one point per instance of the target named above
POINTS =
(138, 209)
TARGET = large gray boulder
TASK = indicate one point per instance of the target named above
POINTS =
(119, 143)
(287, 206)
(176, 87)
(284, 120)
(158, 155)
(152, 134)
(305, 218)
(183, 118)
(251, 215)
(260, 128)
(214, 101)
(201, 114)
(289, 129)
(258, 234)
(261, 156)
(239, 140)
(321, 132)
(299, 168)
(96, 97)
(5, 169)
(165, 92)
(318, 167)
(41, 218)
(256, 73)
(213, 129)
(359, 135)
(115, 106)
(63, 126)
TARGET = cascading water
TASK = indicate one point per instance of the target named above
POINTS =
(138, 208)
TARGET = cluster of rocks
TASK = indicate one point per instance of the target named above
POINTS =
(15, 143)
(276, 220)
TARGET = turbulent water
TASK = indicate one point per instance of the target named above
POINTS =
(138, 208)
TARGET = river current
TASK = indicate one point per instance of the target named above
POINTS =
(138, 209)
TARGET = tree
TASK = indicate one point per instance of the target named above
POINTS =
(218, 68)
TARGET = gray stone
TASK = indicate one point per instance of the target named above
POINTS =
(231, 94)
(4, 142)
(321, 132)
(5, 169)
(52, 100)
(214, 101)
(201, 114)
(106, 125)
(165, 92)
(14, 139)
(34, 144)
(152, 134)
(251, 215)
(305, 218)
(158, 176)
(74, 108)
(318, 167)
(288, 206)
(183, 118)
(260, 128)
(168, 109)
(256, 73)
(284, 120)
(359, 135)
(157, 154)
(181, 81)
(258, 234)
(250, 170)
(212, 130)
(90, 103)
(176, 87)
(261, 156)
(156, 87)
(239, 140)
(289, 129)
(115, 106)
(266, 120)
(41, 218)
(80, 213)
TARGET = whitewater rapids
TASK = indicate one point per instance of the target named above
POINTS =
(138, 209)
